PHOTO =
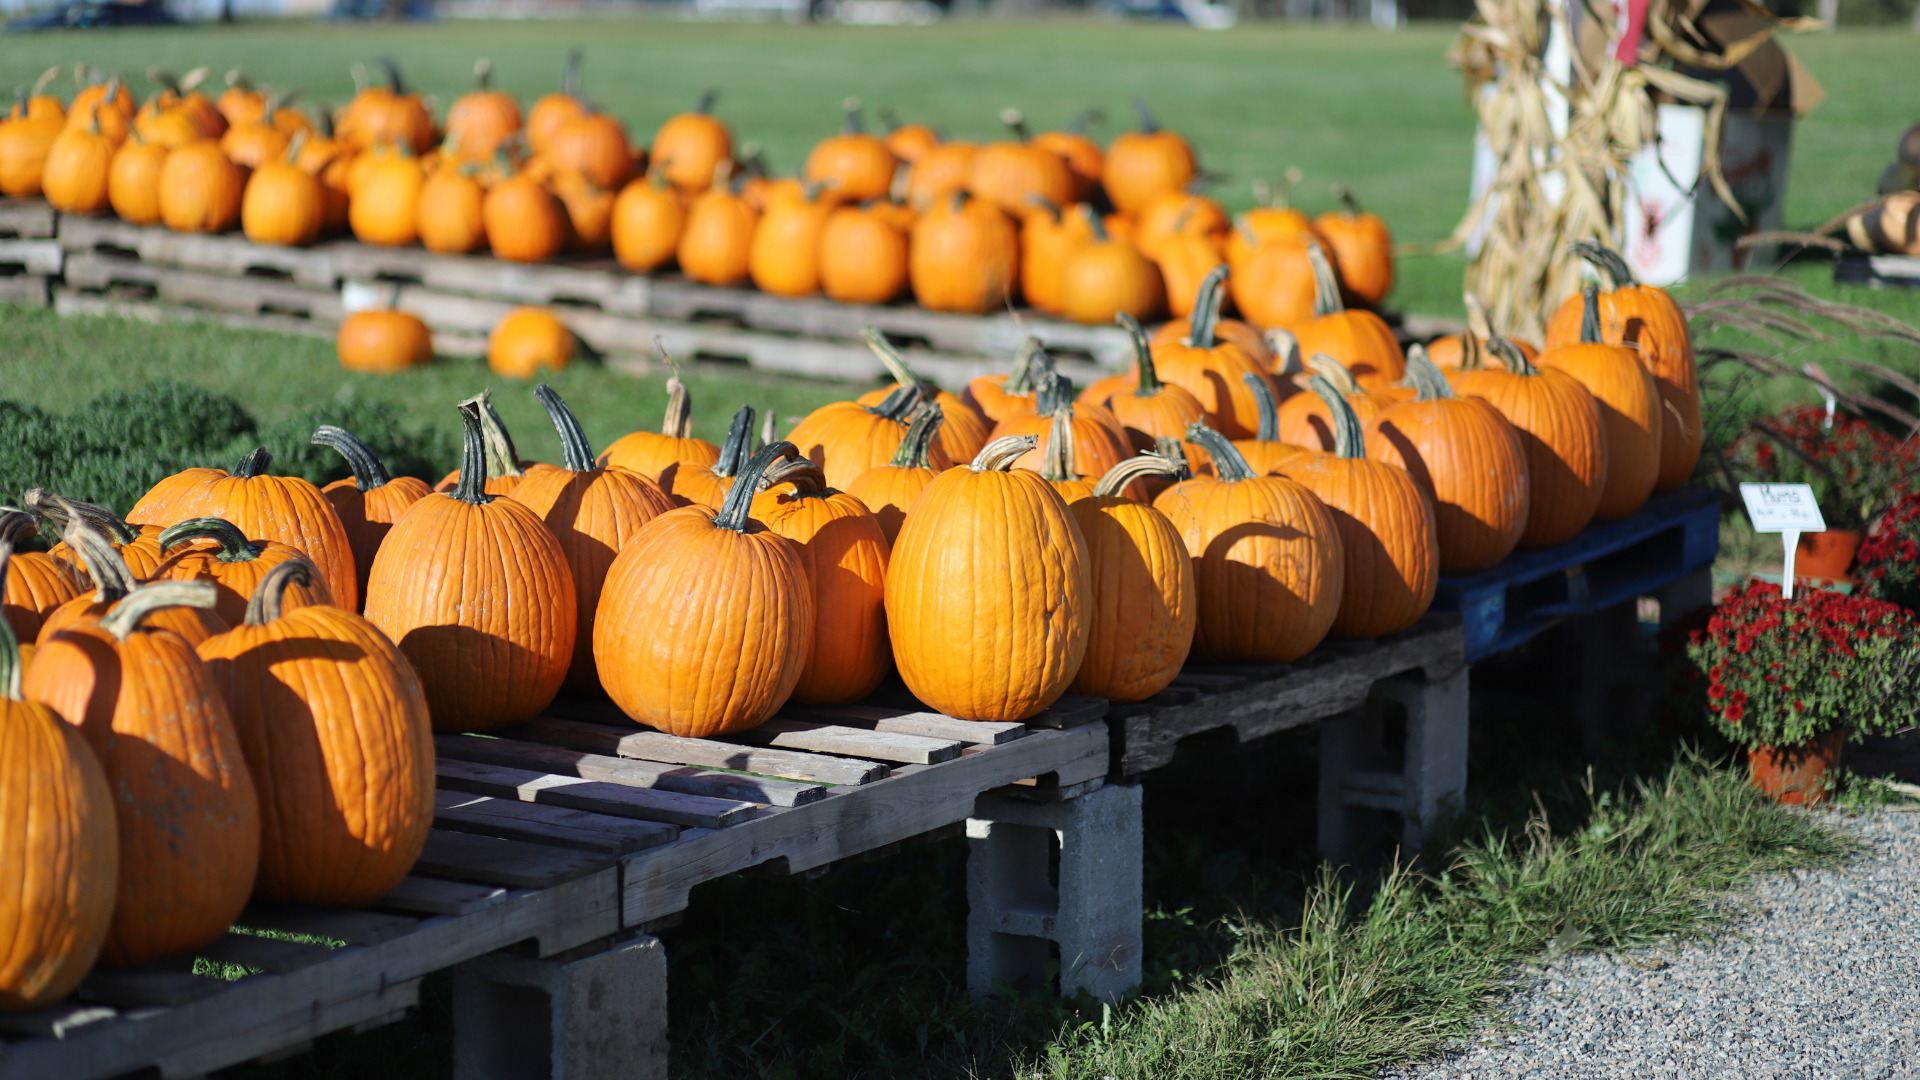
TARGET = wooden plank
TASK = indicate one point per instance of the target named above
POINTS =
(659, 746)
(1070, 710)
(596, 283)
(27, 218)
(852, 742)
(554, 825)
(930, 725)
(53, 1022)
(30, 257)
(495, 861)
(264, 953)
(354, 927)
(230, 255)
(431, 896)
(29, 290)
(164, 982)
(687, 780)
(597, 796)
(71, 301)
(245, 295)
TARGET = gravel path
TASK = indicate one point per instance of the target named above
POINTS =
(1822, 981)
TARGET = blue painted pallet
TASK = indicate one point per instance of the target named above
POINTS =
(1673, 535)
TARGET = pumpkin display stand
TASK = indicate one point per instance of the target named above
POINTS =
(26, 240)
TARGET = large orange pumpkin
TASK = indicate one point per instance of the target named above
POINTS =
(234, 565)
(133, 180)
(1212, 368)
(37, 583)
(24, 144)
(1267, 561)
(200, 190)
(476, 591)
(386, 199)
(689, 146)
(1305, 420)
(1143, 164)
(481, 119)
(1558, 423)
(1469, 460)
(784, 255)
(940, 174)
(963, 255)
(717, 242)
(334, 726)
(388, 115)
(863, 255)
(79, 162)
(988, 590)
(1144, 603)
(847, 438)
(707, 621)
(450, 220)
(524, 222)
(856, 165)
(283, 203)
(889, 490)
(1362, 341)
(1150, 408)
(1050, 235)
(189, 821)
(1630, 411)
(648, 217)
(594, 145)
(1015, 175)
(1106, 277)
(369, 501)
(660, 455)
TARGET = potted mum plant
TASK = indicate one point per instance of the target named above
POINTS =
(1855, 469)
(1889, 567)
(1791, 680)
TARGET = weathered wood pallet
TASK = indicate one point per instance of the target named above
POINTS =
(1253, 700)
(42, 257)
(92, 271)
(227, 254)
(563, 832)
(27, 219)
(27, 290)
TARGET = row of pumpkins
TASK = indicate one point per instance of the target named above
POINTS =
(205, 717)
(962, 226)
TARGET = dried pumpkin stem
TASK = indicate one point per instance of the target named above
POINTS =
(233, 545)
(1000, 454)
(127, 615)
(265, 604)
(112, 578)
(900, 403)
(1020, 372)
(808, 481)
(1150, 383)
(17, 526)
(1085, 121)
(570, 74)
(369, 472)
(1268, 429)
(1427, 381)
(1347, 198)
(708, 99)
(1148, 125)
(1058, 464)
(733, 510)
(854, 124)
(255, 463)
(1334, 372)
(735, 449)
(1150, 464)
(1348, 441)
(678, 423)
(503, 458)
(1228, 464)
(1285, 346)
(1511, 356)
(1326, 284)
(1206, 309)
(895, 363)
(394, 81)
(1016, 122)
(769, 429)
(472, 487)
(575, 452)
(1607, 261)
(919, 438)
(1590, 315)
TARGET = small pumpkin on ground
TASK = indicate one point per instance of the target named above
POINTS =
(528, 340)
(383, 341)
(1558, 424)
(1144, 604)
(234, 565)
(369, 501)
(1628, 398)
(889, 490)
(661, 455)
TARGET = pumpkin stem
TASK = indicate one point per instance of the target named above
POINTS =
(1016, 122)
(233, 544)
(1085, 121)
(1285, 346)
(1000, 454)
(1052, 208)
(297, 144)
(889, 119)
(1348, 441)
(1150, 383)
(254, 464)
(900, 402)
(1148, 125)
(575, 452)
(807, 479)
(394, 82)
(1228, 463)
(17, 526)
(678, 423)
(854, 125)
(734, 450)
(472, 487)
(919, 437)
(1590, 315)
(1058, 463)
(1151, 463)
(896, 364)
(9, 644)
(56, 509)
(1206, 309)
(1607, 261)
(503, 458)
(264, 605)
(570, 74)
(1427, 382)
(1334, 372)
(111, 577)
(1020, 373)
(483, 74)
(708, 98)
(1511, 356)
(768, 432)
(1347, 199)
(369, 472)
(46, 79)
(733, 510)
(1269, 409)
(127, 615)
(1326, 284)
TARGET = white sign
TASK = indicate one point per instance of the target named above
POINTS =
(1788, 509)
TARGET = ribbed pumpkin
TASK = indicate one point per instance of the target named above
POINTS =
(386, 199)
(1386, 526)
(200, 190)
(1273, 283)
(716, 243)
(37, 583)
(998, 396)
(940, 174)
(334, 726)
(1084, 157)
(847, 438)
(330, 161)
(113, 582)
(283, 204)
(1469, 460)
(137, 546)
(1362, 341)
(889, 490)
(648, 217)
(1150, 408)
(370, 501)
(784, 256)
(240, 102)
(133, 180)
(75, 176)
(863, 256)
(1144, 603)
(481, 119)
(843, 551)
(1098, 441)
(963, 255)
(1305, 420)
(388, 115)
(24, 144)
(1558, 424)
(1181, 213)
(707, 485)
(1050, 235)
(256, 142)
(594, 145)
(1249, 338)
(689, 146)
(1108, 277)
(506, 469)
(1267, 562)
(1014, 175)
(909, 142)
(450, 218)
(707, 620)
(1185, 260)
(594, 511)
(1143, 164)
(965, 431)
(658, 456)
(189, 822)
(528, 340)
(1211, 368)
(476, 591)
(524, 222)
(57, 834)
(383, 341)
(1362, 247)
(857, 166)
(1630, 411)
(1265, 453)
(989, 591)
(234, 565)
(1646, 319)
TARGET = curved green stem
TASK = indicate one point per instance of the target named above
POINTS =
(1016, 122)
(808, 481)
(1427, 381)
(900, 402)
(1020, 374)
(1085, 121)
(1206, 309)
(575, 452)
(1053, 393)
(1150, 383)
(1511, 356)
(1228, 464)
(678, 423)
(1098, 227)
(1347, 199)
(1284, 344)
(1590, 315)
(1149, 464)
(889, 119)
(854, 125)
(233, 544)
(570, 74)
(472, 487)
(369, 472)
(919, 438)
(1000, 454)
(1263, 402)
(1058, 463)
(265, 604)
(735, 449)
(733, 509)
(708, 98)
(127, 615)
(1334, 372)
(255, 463)
(1148, 125)
(896, 364)
(1607, 261)
(394, 82)
(1348, 440)
(1326, 284)
(16, 527)
(9, 644)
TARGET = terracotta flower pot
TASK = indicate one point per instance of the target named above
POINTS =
(1826, 554)
(1797, 775)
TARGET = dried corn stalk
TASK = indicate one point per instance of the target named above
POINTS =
(1551, 190)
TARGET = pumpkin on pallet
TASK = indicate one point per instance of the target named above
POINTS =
(1305, 420)
(1265, 453)
(369, 501)
(1362, 341)
(648, 218)
(37, 582)
(1141, 165)
(1630, 412)
(719, 578)
(889, 490)
(783, 257)
(716, 241)
(1000, 396)
(1212, 368)
(857, 165)
(847, 438)
(863, 255)
(234, 565)
(1094, 441)
(1558, 424)
(333, 723)
(1148, 408)
(988, 590)
(114, 582)
(963, 255)
(1362, 247)
(481, 119)
(707, 485)
(659, 456)
(690, 146)
(965, 430)
(1144, 602)
(1109, 276)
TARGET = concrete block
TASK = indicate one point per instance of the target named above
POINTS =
(601, 1017)
(1361, 776)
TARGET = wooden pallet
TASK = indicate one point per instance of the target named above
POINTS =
(27, 219)
(1861, 268)
(1673, 536)
(92, 271)
(562, 832)
(226, 255)
(1253, 700)
(29, 290)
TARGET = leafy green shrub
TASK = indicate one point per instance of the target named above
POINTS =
(409, 450)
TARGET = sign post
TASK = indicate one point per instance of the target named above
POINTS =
(1787, 509)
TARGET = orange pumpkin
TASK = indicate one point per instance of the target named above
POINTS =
(965, 431)
(76, 174)
(481, 119)
(594, 145)
(1305, 419)
(234, 565)
(449, 219)
(863, 256)
(256, 142)
(553, 110)
(855, 165)
(659, 456)
(1148, 408)
(716, 244)
(940, 174)
(1630, 411)
(138, 546)
(846, 438)
(1107, 277)
(589, 212)
(87, 543)
(1016, 175)
(369, 501)
(382, 340)
(1000, 396)
(386, 199)
(1274, 282)
(1143, 164)
(200, 190)
(720, 579)
(283, 203)
(1362, 247)
(1085, 160)
(133, 181)
(909, 142)
(1212, 369)
(524, 222)
(707, 485)
(1181, 213)
(1361, 341)
(24, 144)
(691, 145)
(37, 582)
(648, 217)
(1249, 338)
(963, 255)
(1049, 238)
(1144, 601)
(784, 255)
(528, 339)
(1558, 424)
(388, 115)
(1185, 260)
(1096, 440)
(988, 545)
(889, 490)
